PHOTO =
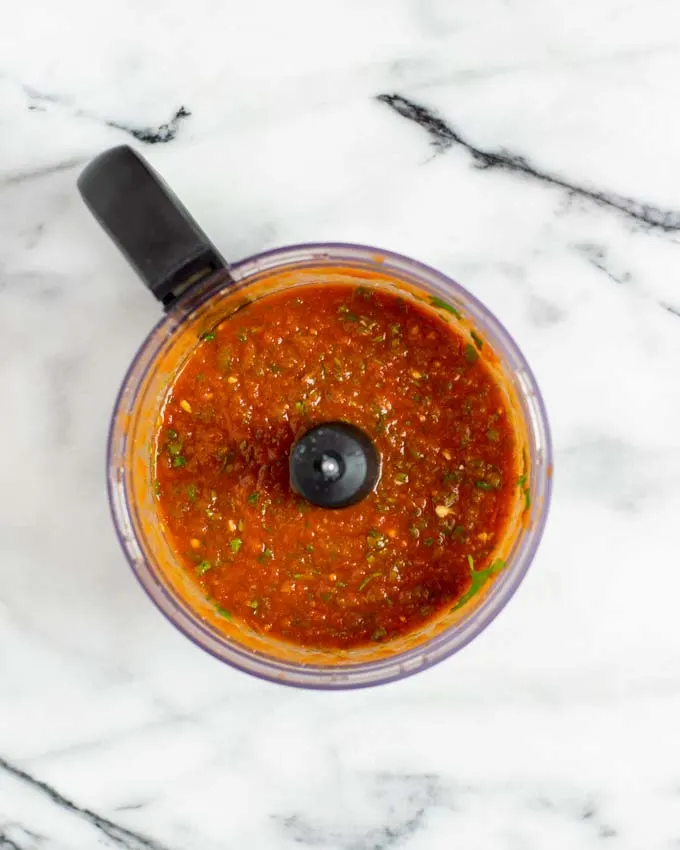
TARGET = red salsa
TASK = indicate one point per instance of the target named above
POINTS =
(421, 542)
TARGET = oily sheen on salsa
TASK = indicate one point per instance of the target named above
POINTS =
(423, 540)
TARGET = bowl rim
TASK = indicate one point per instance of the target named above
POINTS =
(423, 655)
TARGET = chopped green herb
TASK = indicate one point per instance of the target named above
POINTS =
(175, 448)
(192, 492)
(527, 499)
(203, 567)
(363, 292)
(444, 305)
(471, 353)
(493, 434)
(347, 314)
(252, 499)
(309, 547)
(266, 555)
(208, 336)
(522, 480)
(235, 544)
(376, 540)
(478, 579)
(274, 368)
(483, 485)
(300, 407)
(242, 336)
(471, 562)
(414, 532)
(223, 612)
(401, 478)
(254, 604)
(326, 596)
(173, 435)
(179, 461)
(381, 415)
(341, 583)
(379, 634)
(367, 581)
(478, 341)
(459, 533)
(157, 488)
(429, 541)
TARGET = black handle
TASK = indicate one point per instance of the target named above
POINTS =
(334, 465)
(150, 225)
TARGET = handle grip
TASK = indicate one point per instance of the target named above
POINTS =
(150, 225)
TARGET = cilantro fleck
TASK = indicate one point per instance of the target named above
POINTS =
(346, 314)
(444, 305)
(471, 353)
(192, 492)
(254, 604)
(379, 634)
(157, 488)
(381, 415)
(179, 461)
(252, 499)
(367, 581)
(478, 579)
(376, 540)
(172, 435)
(483, 485)
(478, 341)
(208, 336)
(203, 567)
(223, 612)
(493, 434)
(235, 544)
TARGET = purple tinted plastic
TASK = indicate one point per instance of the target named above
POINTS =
(351, 675)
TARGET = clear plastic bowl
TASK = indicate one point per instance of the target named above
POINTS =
(130, 473)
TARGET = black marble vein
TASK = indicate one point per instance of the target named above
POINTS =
(150, 135)
(154, 135)
(444, 136)
(6, 843)
(120, 835)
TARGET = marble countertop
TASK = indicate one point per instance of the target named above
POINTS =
(527, 148)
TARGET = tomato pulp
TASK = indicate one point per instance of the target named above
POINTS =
(425, 537)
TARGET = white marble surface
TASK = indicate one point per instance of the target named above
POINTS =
(559, 727)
